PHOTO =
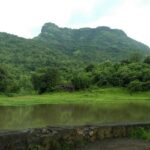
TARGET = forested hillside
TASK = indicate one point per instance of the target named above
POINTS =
(27, 53)
(73, 59)
(58, 46)
(91, 44)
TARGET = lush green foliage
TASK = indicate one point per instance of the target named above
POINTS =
(85, 57)
(91, 45)
(7, 82)
(141, 133)
(147, 59)
(62, 46)
(80, 82)
(45, 80)
(133, 76)
(137, 85)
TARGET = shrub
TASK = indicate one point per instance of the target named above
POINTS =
(147, 59)
(45, 80)
(80, 82)
(146, 86)
(7, 82)
(135, 85)
(89, 68)
(140, 133)
(102, 81)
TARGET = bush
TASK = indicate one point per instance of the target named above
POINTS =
(137, 85)
(140, 133)
(80, 82)
(90, 68)
(45, 80)
(7, 82)
(147, 59)
(101, 80)
(146, 86)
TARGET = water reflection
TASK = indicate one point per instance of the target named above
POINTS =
(43, 115)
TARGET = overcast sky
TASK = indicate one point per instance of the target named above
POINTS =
(26, 17)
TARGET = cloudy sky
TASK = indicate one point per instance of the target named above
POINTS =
(26, 17)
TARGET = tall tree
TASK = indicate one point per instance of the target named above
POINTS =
(45, 80)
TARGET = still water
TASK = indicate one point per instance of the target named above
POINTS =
(21, 117)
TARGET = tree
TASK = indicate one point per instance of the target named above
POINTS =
(89, 68)
(7, 83)
(147, 59)
(80, 82)
(45, 80)
(135, 86)
(136, 57)
(3, 79)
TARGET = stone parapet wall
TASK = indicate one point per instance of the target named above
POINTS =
(64, 138)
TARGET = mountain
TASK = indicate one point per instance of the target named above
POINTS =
(91, 44)
(55, 46)
(27, 53)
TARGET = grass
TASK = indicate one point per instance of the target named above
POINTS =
(106, 95)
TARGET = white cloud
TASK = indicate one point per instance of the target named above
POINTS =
(130, 16)
(21, 17)
(25, 17)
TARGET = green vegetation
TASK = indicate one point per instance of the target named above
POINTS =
(93, 75)
(80, 82)
(90, 45)
(45, 80)
(140, 133)
(57, 47)
(109, 95)
(132, 76)
(62, 59)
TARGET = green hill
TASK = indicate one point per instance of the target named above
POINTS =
(27, 53)
(91, 44)
(55, 46)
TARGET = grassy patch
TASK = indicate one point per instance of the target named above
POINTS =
(108, 95)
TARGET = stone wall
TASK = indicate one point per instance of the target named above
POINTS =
(63, 138)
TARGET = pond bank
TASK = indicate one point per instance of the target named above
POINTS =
(64, 138)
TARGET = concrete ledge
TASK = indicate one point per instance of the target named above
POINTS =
(64, 138)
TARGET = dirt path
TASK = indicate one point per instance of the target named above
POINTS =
(119, 144)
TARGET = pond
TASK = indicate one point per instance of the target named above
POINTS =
(21, 117)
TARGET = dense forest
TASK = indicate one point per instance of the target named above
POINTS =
(132, 74)
(72, 59)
